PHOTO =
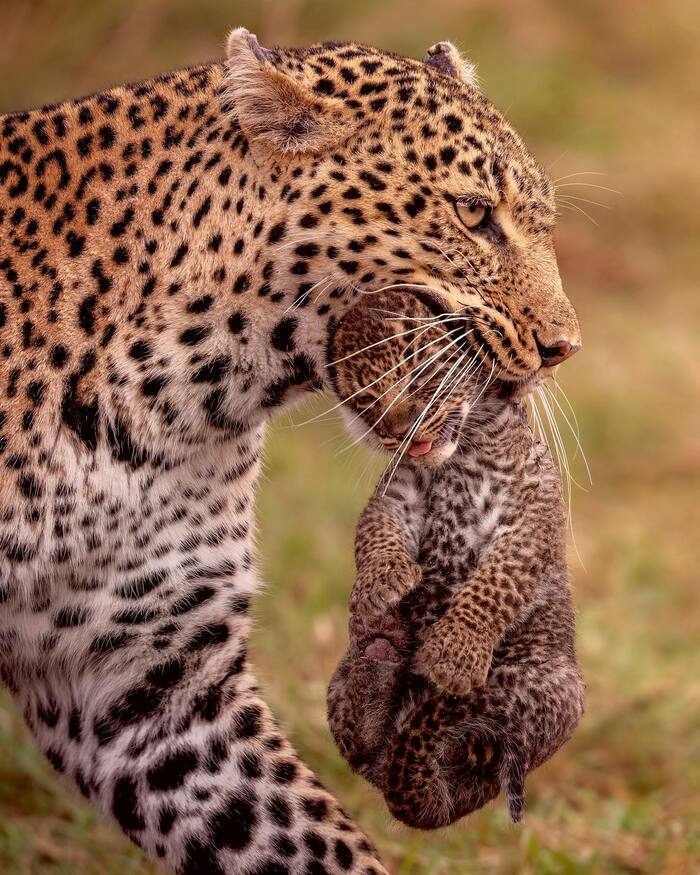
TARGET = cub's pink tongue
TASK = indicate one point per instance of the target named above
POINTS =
(420, 449)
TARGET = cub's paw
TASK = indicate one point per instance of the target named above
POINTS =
(381, 583)
(453, 657)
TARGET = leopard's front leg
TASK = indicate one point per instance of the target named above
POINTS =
(178, 748)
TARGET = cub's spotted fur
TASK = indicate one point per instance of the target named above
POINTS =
(461, 583)
(172, 255)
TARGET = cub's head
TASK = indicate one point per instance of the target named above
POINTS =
(398, 173)
(408, 377)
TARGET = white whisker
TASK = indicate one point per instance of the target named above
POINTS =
(406, 442)
(588, 185)
(576, 208)
(417, 371)
(414, 286)
(295, 241)
(561, 456)
(373, 383)
(580, 173)
(432, 320)
(584, 200)
(350, 355)
(574, 431)
(473, 363)
(300, 300)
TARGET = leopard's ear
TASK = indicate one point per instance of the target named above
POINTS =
(446, 59)
(275, 109)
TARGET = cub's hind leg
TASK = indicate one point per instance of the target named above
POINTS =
(454, 754)
(451, 755)
(365, 691)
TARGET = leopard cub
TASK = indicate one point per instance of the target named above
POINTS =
(461, 583)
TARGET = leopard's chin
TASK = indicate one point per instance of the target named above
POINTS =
(517, 390)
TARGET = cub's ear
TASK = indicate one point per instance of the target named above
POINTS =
(446, 59)
(274, 109)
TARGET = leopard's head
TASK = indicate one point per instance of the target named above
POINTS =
(398, 173)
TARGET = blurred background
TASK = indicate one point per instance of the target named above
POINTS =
(605, 94)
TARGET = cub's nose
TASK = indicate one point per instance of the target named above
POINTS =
(555, 352)
(400, 418)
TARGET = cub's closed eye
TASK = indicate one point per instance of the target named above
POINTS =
(474, 215)
(364, 400)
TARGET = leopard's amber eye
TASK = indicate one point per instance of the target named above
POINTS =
(474, 215)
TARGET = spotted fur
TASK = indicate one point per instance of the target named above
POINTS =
(461, 674)
(173, 254)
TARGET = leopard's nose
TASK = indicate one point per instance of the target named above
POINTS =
(555, 352)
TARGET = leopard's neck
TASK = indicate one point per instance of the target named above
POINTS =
(156, 236)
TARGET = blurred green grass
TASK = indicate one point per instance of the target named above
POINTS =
(608, 89)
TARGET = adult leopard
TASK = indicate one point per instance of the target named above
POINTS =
(173, 256)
